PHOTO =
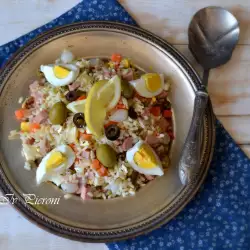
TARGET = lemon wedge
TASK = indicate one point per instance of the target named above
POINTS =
(109, 94)
(95, 111)
(77, 106)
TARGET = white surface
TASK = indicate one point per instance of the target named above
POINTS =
(17, 233)
(18, 17)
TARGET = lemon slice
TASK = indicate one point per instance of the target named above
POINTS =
(77, 106)
(95, 111)
(103, 96)
(109, 94)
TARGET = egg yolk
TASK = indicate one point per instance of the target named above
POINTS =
(60, 72)
(152, 81)
(145, 157)
(55, 159)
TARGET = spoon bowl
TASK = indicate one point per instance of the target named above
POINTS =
(213, 34)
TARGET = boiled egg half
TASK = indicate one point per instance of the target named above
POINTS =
(144, 160)
(55, 163)
(149, 85)
(60, 75)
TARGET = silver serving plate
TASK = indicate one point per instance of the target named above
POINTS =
(120, 218)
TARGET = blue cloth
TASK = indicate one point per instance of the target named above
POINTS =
(219, 216)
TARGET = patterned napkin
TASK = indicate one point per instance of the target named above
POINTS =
(219, 216)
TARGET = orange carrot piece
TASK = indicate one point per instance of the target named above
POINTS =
(34, 126)
(86, 137)
(19, 113)
(116, 58)
(120, 106)
(156, 111)
(83, 97)
(102, 171)
(96, 164)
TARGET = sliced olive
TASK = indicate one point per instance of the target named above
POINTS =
(79, 120)
(106, 155)
(132, 114)
(112, 132)
(72, 96)
(127, 89)
(58, 113)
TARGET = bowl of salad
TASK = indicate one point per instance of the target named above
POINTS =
(93, 119)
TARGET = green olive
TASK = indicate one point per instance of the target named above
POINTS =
(58, 113)
(106, 155)
(127, 89)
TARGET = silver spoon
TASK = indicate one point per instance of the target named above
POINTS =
(213, 34)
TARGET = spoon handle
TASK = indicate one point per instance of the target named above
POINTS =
(191, 152)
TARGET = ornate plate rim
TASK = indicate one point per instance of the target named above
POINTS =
(86, 235)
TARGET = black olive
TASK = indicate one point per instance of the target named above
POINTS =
(112, 132)
(72, 96)
(79, 120)
(131, 113)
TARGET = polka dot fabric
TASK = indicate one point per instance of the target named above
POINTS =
(219, 216)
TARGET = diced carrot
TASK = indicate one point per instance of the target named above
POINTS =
(102, 171)
(109, 123)
(34, 126)
(96, 164)
(120, 106)
(83, 97)
(116, 58)
(167, 113)
(156, 110)
(86, 137)
(20, 113)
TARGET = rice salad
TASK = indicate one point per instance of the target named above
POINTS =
(97, 128)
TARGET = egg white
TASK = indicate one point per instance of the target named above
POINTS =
(57, 82)
(54, 175)
(141, 88)
(157, 170)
